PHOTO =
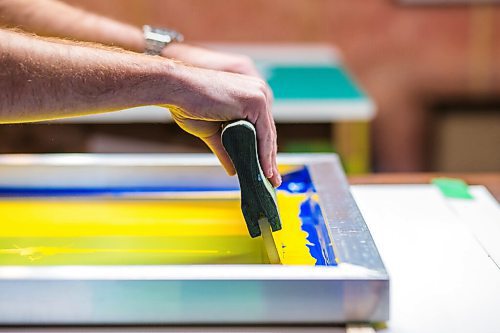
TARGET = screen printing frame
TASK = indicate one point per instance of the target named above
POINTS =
(356, 290)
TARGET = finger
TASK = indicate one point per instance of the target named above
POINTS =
(265, 144)
(214, 142)
(276, 178)
(252, 71)
(245, 65)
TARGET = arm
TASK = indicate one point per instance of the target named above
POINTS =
(57, 19)
(47, 79)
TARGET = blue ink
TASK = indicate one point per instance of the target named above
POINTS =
(313, 223)
(97, 191)
(298, 181)
(295, 182)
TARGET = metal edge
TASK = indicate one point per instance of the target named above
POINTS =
(375, 276)
(351, 237)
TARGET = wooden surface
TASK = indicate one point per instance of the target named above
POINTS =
(490, 180)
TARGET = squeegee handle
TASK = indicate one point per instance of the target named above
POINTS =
(258, 197)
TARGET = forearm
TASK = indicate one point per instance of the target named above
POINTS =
(47, 79)
(57, 19)
(43, 79)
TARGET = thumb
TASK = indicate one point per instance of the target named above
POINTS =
(214, 142)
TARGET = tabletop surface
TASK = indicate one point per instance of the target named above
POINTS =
(490, 180)
(442, 256)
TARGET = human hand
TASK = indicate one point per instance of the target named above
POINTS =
(209, 98)
(204, 58)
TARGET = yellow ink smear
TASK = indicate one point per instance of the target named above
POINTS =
(127, 232)
(291, 239)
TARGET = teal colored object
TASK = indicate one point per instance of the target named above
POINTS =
(312, 82)
(453, 188)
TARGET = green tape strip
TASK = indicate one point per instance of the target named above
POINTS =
(453, 188)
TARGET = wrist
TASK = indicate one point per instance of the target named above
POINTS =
(181, 84)
(175, 50)
(137, 40)
(174, 83)
(193, 86)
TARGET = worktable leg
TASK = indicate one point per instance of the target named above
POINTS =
(352, 142)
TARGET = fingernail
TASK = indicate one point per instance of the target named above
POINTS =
(278, 181)
(269, 173)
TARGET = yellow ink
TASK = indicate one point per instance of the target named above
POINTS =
(109, 232)
(292, 238)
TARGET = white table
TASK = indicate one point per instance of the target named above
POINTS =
(442, 256)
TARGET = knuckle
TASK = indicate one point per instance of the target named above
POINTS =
(242, 64)
(262, 85)
(251, 113)
(245, 62)
(258, 101)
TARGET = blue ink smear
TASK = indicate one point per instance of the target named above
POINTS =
(298, 181)
(313, 223)
(320, 245)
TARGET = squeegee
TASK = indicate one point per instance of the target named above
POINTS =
(258, 197)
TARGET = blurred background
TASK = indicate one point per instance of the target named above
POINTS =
(432, 71)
